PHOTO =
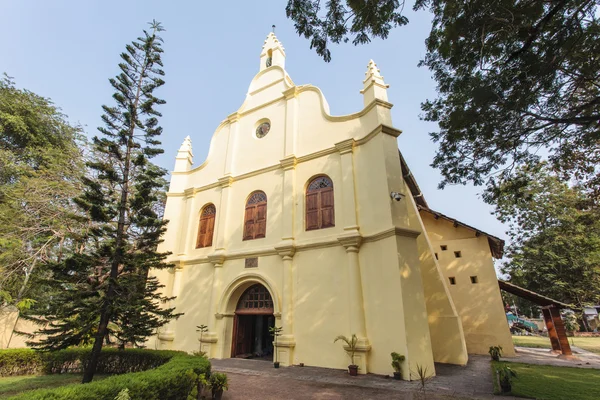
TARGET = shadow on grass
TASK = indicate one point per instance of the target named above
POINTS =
(545, 382)
(13, 385)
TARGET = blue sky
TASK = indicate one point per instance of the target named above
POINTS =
(67, 50)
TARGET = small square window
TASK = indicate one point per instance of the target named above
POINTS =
(444, 247)
(474, 279)
(457, 254)
(251, 262)
(452, 280)
(436, 256)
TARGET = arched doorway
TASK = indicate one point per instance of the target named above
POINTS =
(253, 318)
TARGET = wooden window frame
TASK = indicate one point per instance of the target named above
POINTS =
(322, 221)
(255, 216)
(206, 223)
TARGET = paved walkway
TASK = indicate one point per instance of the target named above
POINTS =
(530, 355)
(250, 379)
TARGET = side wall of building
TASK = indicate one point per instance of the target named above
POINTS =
(479, 303)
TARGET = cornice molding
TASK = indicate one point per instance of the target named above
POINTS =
(348, 239)
(286, 250)
(288, 162)
(260, 89)
(291, 93)
(374, 83)
(345, 146)
(351, 241)
(225, 181)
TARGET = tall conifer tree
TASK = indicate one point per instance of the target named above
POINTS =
(107, 289)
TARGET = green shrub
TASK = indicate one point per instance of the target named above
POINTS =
(111, 361)
(21, 362)
(173, 380)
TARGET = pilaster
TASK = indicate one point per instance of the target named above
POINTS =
(291, 120)
(214, 322)
(350, 221)
(233, 120)
(288, 194)
(351, 242)
(286, 342)
(187, 223)
(221, 233)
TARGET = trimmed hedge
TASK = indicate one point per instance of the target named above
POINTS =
(111, 361)
(173, 380)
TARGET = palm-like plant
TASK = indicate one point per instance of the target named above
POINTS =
(351, 343)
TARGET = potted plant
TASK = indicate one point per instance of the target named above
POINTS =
(275, 331)
(505, 378)
(397, 359)
(351, 348)
(495, 352)
(218, 383)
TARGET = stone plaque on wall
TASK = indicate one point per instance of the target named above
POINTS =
(252, 262)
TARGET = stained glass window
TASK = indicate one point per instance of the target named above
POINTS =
(263, 129)
(209, 210)
(320, 183)
(257, 197)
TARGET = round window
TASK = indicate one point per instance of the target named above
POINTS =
(263, 129)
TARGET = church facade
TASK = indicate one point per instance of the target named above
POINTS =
(313, 223)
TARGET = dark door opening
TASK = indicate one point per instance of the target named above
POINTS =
(253, 318)
(252, 338)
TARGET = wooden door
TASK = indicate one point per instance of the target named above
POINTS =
(255, 217)
(207, 226)
(320, 212)
(243, 335)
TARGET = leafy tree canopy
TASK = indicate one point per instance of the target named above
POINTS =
(40, 167)
(555, 235)
(515, 78)
(339, 21)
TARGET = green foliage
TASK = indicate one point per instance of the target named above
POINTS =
(106, 290)
(397, 360)
(342, 19)
(570, 321)
(555, 235)
(423, 376)
(40, 167)
(202, 329)
(514, 77)
(173, 380)
(350, 343)
(275, 331)
(553, 383)
(505, 375)
(495, 352)
(111, 361)
(218, 381)
(123, 395)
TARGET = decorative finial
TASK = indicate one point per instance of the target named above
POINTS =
(273, 26)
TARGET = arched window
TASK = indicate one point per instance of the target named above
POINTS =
(255, 300)
(320, 211)
(207, 226)
(255, 219)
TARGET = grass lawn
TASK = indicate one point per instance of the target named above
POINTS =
(587, 343)
(554, 383)
(13, 385)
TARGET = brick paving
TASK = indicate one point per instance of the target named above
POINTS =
(252, 379)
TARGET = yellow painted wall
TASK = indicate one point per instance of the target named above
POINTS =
(479, 305)
(372, 266)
